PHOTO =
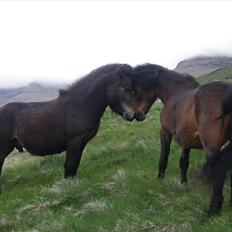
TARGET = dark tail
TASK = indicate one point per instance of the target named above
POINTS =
(227, 109)
(226, 105)
(221, 163)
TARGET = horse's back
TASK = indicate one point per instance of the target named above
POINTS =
(209, 96)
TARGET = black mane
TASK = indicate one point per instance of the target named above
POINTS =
(149, 68)
(148, 74)
(85, 82)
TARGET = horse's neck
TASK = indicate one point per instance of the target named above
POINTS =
(167, 88)
(94, 98)
(165, 93)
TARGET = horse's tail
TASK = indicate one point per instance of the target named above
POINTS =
(220, 165)
(226, 105)
(226, 109)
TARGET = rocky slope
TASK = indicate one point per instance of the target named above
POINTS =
(201, 65)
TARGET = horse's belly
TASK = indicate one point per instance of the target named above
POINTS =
(43, 150)
(188, 140)
(39, 145)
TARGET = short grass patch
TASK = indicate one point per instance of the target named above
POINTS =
(116, 188)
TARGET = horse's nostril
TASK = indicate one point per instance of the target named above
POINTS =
(140, 116)
(128, 116)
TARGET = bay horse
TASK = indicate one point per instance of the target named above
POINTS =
(68, 122)
(191, 115)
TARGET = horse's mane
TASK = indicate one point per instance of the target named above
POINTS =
(149, 68)
(147, 76)
(85, 81)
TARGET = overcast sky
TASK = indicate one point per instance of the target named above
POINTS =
(61, 41)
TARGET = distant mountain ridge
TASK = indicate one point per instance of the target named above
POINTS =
(200, 65)
(205, 68)
(33, 92)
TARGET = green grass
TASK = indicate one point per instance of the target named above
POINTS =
(115, 190)
(223, 74)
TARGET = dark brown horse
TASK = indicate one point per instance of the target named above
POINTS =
(191, 115)
(68, 122)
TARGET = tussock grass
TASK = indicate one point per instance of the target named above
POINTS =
(38, 207)
(116, 181)
(116, 188)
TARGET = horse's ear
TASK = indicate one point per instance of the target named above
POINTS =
(126, 74)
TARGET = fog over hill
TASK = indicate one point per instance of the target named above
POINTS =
(32, 92)
(201, 65)
(196, 66)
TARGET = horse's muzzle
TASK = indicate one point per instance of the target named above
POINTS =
(140, 116)
(128, 116)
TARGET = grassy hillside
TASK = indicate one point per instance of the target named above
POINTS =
(116, 187)
(223, 74)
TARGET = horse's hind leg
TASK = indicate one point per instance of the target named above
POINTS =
(165, 139)
(4, 152)
(2, 159)
(217, 196)
(231, 188)
(184, 164)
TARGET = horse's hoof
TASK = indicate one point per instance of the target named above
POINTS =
(213, 211)
(184, 182)
(160, 176)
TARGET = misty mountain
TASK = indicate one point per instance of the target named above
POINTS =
(201, 65)
(32, 92)
(205, 68)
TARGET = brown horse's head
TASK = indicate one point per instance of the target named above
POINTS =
(144, 98)
(120, 95)
(144, 94)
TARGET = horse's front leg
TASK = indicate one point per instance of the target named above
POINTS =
(165, 140)
(184, 165)
(4, 152)
(73, 157)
